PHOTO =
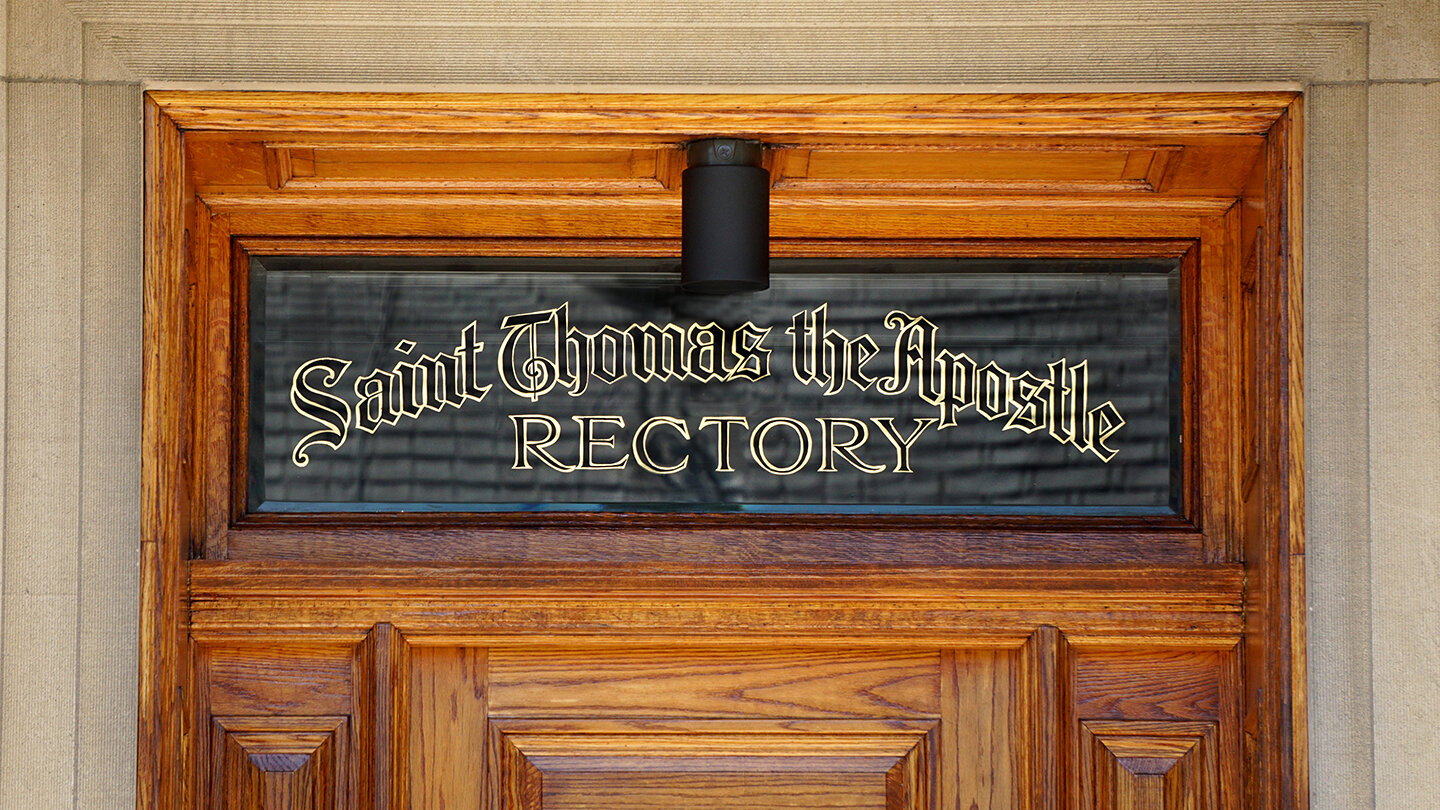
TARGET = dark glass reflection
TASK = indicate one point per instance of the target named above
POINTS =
(1059, 381)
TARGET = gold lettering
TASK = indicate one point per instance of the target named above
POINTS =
(957, 386)
(412, 389)
(640, 447)
(992, 383)
(1101, 425)
(375, 407)
(579, 356)
(902, 443)
(608, 353)
(319, 406)
(657, 352)
(826, 357)
(1032, 403)
(722, 425)
(914, 354)
(589, 441)
(751, 360)
(523, 371)
(757, 445)
(804, 330)
(859, 434)
(858, 352)
(540, 351)
(1069, 402)
(526, 446)
(468, 353)
(706, 342)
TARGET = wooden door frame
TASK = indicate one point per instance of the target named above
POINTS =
(1246, 535)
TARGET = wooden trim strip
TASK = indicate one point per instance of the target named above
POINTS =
(472, 622)
(915, 605)
(779, 247)
(166, 514)
(816, 116)
(521, 538)
(1209, 587)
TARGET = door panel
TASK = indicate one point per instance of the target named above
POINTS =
(1149, 765)
(278, 763)
(656, 763)
(596, 725)
(447, 726)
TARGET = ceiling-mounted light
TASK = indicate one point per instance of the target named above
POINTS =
(725, 217)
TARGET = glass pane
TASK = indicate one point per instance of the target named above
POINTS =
(851, 385)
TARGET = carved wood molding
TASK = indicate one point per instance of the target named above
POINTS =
(280, 763)
(1149, 765)
(709, 763)
(670, 116)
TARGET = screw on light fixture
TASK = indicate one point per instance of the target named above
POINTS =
(725, 217)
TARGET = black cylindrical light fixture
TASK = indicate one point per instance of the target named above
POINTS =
(725, 217)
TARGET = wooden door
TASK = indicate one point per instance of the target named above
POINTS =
(601, 660)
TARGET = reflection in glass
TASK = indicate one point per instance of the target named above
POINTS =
(874, 385)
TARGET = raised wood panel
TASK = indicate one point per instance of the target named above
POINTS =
(381, 717)
(963, 166)
(982, 735)
(725, 791)
(357, 168)
(279, 763)
(968, 167)
(700, 682)
(742, 764)
(1170, 692)
(605, 725)
(447, 727)
(1140, 765)
(1046, 703)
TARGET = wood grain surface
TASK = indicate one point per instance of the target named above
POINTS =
(447, 726)
(638, 661)
(628, 682)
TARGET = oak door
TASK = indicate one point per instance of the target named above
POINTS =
(1013, 658)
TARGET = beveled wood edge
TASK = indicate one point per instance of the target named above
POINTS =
(162, 765)
(903, 727)
(236, 636)
(484, 625)
(781, 247)
(935, 607)
(257, 204)
(1292, 538)
(1219, 585)
(1274, 677)
(739, 114)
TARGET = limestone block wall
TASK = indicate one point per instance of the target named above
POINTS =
(70, 165)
